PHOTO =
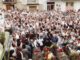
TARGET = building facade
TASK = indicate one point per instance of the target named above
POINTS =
(62, 5)
(24, 4)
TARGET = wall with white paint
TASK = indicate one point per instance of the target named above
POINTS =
(23, 1)
(77, 5)
(43, 3)
(61, 5)
(21, 4)
(2, 5)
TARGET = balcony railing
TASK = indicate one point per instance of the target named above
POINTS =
(9, 1)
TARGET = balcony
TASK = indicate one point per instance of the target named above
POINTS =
(32, 2)
(61, 0)
(70, 0)
(9, 1)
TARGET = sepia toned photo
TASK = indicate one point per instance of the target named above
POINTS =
(39, 29)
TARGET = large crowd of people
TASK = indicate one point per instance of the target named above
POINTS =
(43, 34)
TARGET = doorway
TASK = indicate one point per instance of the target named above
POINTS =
(9, 6)
(32, 8)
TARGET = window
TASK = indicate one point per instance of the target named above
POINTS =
(50, 5)
(69, 3)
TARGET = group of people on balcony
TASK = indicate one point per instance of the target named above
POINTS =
(43, 35)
